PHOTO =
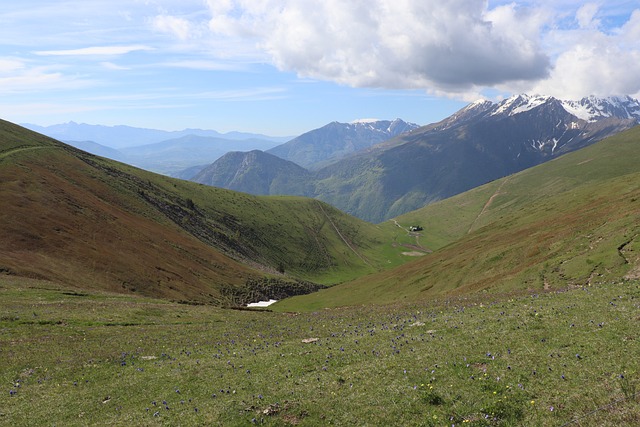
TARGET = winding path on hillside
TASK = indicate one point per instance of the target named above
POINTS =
(341, 236)
(417, 246)
(486, 205)
(19, 149)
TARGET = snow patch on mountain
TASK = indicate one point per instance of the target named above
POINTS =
(590, 109)
(519, 104)
(593, 108)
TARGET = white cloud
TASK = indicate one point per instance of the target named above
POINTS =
(37, 79)
(203, 64)
(250, 94)
(179, 27)
(94, 50)
(592, 60)
(10, 65)
(450, 46)
(112, 66)
(585, 16)
(456, 48)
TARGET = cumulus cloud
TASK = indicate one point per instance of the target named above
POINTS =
(592, 60)
(585, 16)
(448, 46)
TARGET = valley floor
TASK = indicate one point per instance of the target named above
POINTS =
(564, 357)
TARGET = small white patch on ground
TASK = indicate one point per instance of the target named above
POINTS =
(262, 303)
(413, 253)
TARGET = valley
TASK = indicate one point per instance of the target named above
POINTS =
(515, 303)
(480, 143)
(296, 213)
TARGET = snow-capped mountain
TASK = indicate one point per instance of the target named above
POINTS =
(589, 109)
(337, 140)
(593, 108)
(480, 143)
(550, 124)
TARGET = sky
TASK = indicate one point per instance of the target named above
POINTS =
(283, 67)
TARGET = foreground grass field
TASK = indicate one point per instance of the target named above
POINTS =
(567, 357)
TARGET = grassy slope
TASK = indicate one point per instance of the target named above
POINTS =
(569, 221)
(78, 219)
(92, 358)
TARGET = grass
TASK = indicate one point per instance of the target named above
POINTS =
(571, 221)
(552, 358)
(526, 313)
(91, 222)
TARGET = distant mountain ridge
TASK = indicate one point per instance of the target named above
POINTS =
(127, 136)
(480, 143)
(336, 140)
(169, 153)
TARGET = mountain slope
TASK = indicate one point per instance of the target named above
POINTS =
(337, 140)
(256, 172)
(78, 219)
(567, 222)
(174, 155)
(480, 143)
(97, 149)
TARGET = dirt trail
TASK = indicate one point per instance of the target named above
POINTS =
(486, 205)
(17, 150)
(342, 237)
(417, 246)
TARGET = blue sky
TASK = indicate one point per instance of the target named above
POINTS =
(283, 67)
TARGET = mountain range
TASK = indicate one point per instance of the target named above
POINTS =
(336, 140)
(173, 153)
(480, 143)
(128, 136)
(73, 218)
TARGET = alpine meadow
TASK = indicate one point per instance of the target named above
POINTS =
(303, 213)
(517, 303)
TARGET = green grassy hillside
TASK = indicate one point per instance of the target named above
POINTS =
(572, 221)
(78, 219)
(94, 359)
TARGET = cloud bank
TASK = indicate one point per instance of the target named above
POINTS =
(457, 47)
(450, 46)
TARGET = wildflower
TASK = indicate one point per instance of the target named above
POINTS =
(533, 402)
